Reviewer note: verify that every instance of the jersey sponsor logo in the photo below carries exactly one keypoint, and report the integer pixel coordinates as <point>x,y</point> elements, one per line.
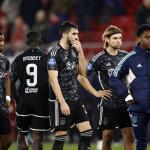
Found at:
<point>52,62</point>
<point>31,90</point>
<point>89,66</point>
<point>70,66</point>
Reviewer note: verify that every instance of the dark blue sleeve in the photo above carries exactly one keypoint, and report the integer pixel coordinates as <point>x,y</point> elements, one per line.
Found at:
<point>117,77</point>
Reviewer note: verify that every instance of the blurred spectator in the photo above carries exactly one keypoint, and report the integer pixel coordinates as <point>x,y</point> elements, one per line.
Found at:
<point>111,7</point>
<point>143,14</point>
<point>5,28</point>
<point>18,33</point>
<point>48,28</point>
<point>62,8</point>
<point>40,21</point>
<point>28,9</point>
<point>84,12</point>
<point>54,20</point>
<point>11,8</point>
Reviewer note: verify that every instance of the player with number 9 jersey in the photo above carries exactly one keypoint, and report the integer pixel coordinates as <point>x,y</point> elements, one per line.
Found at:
<point>30,69</point>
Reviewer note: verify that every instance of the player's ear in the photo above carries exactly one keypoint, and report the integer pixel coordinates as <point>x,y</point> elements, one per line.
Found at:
<point>107,39</point>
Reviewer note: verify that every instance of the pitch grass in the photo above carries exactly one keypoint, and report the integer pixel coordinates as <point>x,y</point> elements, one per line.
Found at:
<point>48,146</point>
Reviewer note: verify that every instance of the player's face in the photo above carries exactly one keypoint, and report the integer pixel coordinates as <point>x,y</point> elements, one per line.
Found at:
<point>115,41</point>
<point>1,42</point>
<point>72,35</point>
<point>145,39</point>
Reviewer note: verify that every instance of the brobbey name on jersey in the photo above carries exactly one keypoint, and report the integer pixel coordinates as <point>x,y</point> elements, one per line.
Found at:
<point>31,58</point>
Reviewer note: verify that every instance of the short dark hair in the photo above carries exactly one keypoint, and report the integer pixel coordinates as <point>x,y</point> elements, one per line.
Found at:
<point>142,28</point>
<point>1,33</point>
<point>33,38</point>
<point>66,26</point>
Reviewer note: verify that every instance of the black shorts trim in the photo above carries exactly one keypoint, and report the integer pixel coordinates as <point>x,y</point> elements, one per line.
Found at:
<point>22,130</point>
<point>26,115</point>
<point>32,122</point>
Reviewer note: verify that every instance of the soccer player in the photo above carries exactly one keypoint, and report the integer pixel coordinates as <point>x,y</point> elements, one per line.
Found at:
<point>5,129</point>
<point>65,63</point>
<point>113,112</point>
<point>136,67</point>
<point>32,111</point>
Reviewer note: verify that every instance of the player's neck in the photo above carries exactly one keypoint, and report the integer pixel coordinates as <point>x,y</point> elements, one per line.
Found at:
<point>112,51</point>
<point>64,44</point>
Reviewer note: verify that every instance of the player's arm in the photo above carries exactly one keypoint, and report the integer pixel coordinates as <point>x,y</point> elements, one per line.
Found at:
<point>52,65</point>
<point>82,78</point>
<point>13,79</point>
<point>8,99</point>
<point>116,80</point>
<point>53,80</point>
<point>105,94</point>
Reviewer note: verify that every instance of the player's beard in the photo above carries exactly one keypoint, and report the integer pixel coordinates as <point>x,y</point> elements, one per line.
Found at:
<point>69,42</point>
<point>115,47</point>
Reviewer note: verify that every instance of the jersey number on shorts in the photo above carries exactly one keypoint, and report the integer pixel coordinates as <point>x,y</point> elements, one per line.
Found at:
<point>31,70</point>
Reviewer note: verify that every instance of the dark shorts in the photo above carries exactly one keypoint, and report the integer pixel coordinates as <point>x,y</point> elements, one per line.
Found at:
<point>60,122</point>
<point>4,121</point>
<point>33,115</point>
<point>112,118</point>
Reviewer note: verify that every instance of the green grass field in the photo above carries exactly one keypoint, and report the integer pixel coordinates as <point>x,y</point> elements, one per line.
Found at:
<point>71,147</point>
<point>66,147</point>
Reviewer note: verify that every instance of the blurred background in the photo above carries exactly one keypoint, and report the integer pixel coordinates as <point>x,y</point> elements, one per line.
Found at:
<point>17,17</point>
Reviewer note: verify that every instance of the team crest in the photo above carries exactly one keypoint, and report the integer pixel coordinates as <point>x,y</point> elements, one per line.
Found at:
<point>62,121</point>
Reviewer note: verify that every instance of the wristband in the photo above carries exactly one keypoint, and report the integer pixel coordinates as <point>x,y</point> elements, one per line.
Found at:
<point>8,98</point>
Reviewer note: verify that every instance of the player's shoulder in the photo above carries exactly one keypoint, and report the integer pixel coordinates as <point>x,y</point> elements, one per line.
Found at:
<point>54,51</point>
<point>98,56</point>
<point>18,56</point>
<point>4,57</point>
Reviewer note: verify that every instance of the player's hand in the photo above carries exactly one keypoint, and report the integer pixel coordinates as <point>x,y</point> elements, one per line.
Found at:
<point>77,45</point>
<point>7,103</point>
<point>104,94</point>
<point>65,110</point>
<point>130,102</point>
